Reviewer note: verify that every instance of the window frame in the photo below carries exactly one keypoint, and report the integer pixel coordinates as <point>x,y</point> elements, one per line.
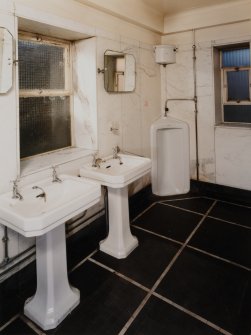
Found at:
<point>224,87</point>
<point>66,92</point>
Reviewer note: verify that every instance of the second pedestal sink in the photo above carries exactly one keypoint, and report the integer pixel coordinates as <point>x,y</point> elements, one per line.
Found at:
<point>42,212</point>
<point>117,174</point>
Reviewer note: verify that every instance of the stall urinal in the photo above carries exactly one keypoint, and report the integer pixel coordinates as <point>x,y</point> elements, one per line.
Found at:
<point>170,156</point>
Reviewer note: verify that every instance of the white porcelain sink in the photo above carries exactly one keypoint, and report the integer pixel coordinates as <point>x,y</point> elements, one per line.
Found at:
<point>44,217</point>
<point>117,173</point>
<point>34,216</point>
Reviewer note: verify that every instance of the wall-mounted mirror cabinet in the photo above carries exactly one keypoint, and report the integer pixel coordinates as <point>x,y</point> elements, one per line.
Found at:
<point>6,60</point>
<point>119,72</point>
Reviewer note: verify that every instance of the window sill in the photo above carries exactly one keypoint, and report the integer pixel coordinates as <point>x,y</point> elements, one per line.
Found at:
<point>233,125</point>
<point>43,162</point>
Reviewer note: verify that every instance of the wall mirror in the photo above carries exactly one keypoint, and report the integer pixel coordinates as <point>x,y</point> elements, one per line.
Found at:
<point>6,60</point>
<point>119,72</point>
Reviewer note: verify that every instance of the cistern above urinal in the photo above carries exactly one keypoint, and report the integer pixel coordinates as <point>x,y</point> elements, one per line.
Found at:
<point>170,156</point>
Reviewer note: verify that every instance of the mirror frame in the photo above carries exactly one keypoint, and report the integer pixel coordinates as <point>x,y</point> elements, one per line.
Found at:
<point>120,54</point>
<point>6,60</point>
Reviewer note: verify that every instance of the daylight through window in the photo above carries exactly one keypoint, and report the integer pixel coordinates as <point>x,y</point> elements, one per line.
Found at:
<point>45,95</point>
<point>236,79</point>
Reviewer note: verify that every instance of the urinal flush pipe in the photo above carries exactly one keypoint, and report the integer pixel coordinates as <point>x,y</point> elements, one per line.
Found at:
<point>195,100</point>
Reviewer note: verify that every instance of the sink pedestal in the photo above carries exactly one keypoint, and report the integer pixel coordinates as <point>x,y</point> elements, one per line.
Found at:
<point>54,298</point>
<point>119,242</point>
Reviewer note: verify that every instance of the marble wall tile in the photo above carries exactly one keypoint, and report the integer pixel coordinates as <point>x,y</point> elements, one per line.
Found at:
<point>95,110</point>
<point>223,152</point>
<point>149,73</point>
<point>233,157</point>
<point>204,71</point>
<point>85,95</point>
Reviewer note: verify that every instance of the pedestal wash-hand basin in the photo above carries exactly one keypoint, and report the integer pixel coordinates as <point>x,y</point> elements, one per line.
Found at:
<point>42,213</point>
<point>34,216</point>
<point>117,174</point>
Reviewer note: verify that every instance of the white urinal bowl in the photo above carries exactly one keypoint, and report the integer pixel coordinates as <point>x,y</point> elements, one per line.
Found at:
<point>170,157</point>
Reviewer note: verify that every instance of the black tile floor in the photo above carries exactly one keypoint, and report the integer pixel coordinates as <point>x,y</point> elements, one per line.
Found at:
<point>190,274</point>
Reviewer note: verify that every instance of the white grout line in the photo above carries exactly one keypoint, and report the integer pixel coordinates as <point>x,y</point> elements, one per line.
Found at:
<point>213,199</point>
<point>156,234</point>
<point>194,315</point>
<point>233,203</point>
<point>9,322</point>
<point>151,291</point>
<point>220,258</point>
<point>230,222</point>
<point>192,247</point>
<point>102,265</point>
<point>144,211</point>
<point>30,324</point>
<point>194,212</point>
<point>140,307</point>
<point>183,209</point>
<point>83,261</point>
<point>120,275</point>
<point>221,200</point>
<point>177,199</point>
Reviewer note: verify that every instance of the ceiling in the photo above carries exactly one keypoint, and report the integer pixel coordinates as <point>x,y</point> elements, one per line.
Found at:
<point>150,13</point>
<point>170,7</point>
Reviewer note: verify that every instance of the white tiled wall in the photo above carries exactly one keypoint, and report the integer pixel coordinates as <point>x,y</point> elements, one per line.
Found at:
<point>224,153</point>
<point>95,109</point>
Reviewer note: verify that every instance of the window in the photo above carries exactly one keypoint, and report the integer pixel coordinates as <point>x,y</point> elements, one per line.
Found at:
<point>44,94</point>
<point>235,78</point>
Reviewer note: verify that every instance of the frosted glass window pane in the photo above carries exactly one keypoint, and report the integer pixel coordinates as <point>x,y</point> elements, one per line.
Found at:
<point>236,58</point>
<point>45,124</point>
<point>41,66</point>
<point>238,85</point>
<point>237,113</point>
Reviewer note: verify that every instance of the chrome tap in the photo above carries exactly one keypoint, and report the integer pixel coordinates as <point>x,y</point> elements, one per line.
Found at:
<point>16,194</point>
<point>115,152</point>
<point>40,195</point>
<point>55,178</point>
<point>115,155</point>
<point>96,161</point>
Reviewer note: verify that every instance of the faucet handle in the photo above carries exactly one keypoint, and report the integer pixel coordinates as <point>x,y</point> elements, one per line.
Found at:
<point>116,149</point>
<point>55,177</point>
<point>15,181</point>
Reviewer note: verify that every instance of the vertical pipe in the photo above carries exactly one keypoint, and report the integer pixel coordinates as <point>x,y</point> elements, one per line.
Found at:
<point>196,107</point>
<point>5,240</point>
<point>106,208</point>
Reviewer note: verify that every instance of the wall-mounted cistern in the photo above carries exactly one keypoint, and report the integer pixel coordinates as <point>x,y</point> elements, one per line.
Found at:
<point>15,192</point>
<point>55,178</point>
<point>40,195</point>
